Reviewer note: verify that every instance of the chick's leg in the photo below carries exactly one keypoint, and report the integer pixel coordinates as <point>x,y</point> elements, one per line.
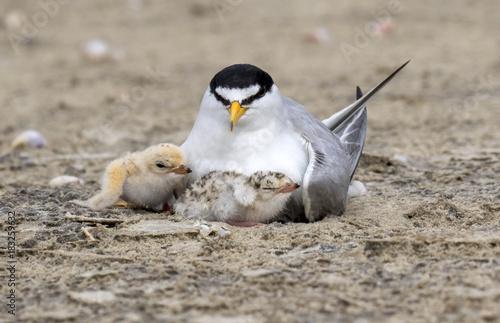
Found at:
<point>112,187</point>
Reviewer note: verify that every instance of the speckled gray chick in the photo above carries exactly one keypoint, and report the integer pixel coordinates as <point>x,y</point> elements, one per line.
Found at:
<point>235,198</point>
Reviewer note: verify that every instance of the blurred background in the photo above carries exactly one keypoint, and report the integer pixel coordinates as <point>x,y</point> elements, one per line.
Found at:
<point>100,76</point>
<point>91,80</point>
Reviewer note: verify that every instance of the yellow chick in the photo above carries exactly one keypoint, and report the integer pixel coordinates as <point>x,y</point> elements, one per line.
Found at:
<point>148,179</point>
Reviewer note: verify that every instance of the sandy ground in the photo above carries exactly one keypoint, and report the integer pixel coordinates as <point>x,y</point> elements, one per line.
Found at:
<point>422,247</point>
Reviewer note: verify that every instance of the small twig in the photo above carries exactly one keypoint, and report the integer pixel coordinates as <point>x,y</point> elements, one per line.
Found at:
<point>100,227</point>
<point>86,255</point>
<point>355,224</point>
<point>89,235</point>
<point>93,220</point>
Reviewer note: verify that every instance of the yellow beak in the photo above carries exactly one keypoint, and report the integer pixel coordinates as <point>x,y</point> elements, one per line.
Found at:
<point>236,111</point>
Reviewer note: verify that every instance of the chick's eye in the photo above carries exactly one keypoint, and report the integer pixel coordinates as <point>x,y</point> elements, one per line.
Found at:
<point>159,165</point>
<point>268,188</point>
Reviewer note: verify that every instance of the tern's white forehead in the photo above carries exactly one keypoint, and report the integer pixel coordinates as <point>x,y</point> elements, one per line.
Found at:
<point>236,94</point>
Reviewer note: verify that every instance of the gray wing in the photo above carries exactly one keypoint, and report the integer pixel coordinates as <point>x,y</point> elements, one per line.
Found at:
<point>352,134</point>
<point>326,181</point>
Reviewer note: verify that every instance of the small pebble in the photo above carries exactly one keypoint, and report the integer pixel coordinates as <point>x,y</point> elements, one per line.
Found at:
<point>401,158</point>
<point>98,51</point>
<point>212,229</point>
<point>93,297</point>
<point>223,232</point>
<point>356,188</point>
<point>65,179</point>
<point>14,20</point>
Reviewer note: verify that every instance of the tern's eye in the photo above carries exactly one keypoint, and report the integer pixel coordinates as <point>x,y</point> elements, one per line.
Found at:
<point>160,165</point>
<point>254,97</point>
<point>268,188</point>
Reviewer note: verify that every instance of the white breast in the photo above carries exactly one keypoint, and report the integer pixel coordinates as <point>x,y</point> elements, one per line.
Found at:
<point>247,152</point>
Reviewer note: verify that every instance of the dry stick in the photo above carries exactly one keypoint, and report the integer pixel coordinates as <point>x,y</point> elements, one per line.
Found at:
<point>355,224</point>
<point>93,220</point>
<point>89,235</point>
<point>87,255</point>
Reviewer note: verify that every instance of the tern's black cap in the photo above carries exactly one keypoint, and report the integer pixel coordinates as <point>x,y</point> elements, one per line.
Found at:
<point>241,76</point>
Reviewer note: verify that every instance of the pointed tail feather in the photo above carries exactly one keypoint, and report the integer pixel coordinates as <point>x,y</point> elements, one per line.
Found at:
<point>359,94</point>
<point>335,122</point>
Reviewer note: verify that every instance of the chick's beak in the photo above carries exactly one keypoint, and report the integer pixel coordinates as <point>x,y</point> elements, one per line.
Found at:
<point>181,170</point>
<point>236,111</point>
<point>289,187</point>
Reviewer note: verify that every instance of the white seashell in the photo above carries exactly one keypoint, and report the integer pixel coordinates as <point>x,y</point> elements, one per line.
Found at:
<point>223,232</point>
<point>93,297</point>
<point>207,229</point>
<point>356,189</point>
<point>14,20</point>
<point>318,35</point>
<point>65,179</point>
<point>97,50</point>
<point>401,158</point>
<point>29,138</point>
